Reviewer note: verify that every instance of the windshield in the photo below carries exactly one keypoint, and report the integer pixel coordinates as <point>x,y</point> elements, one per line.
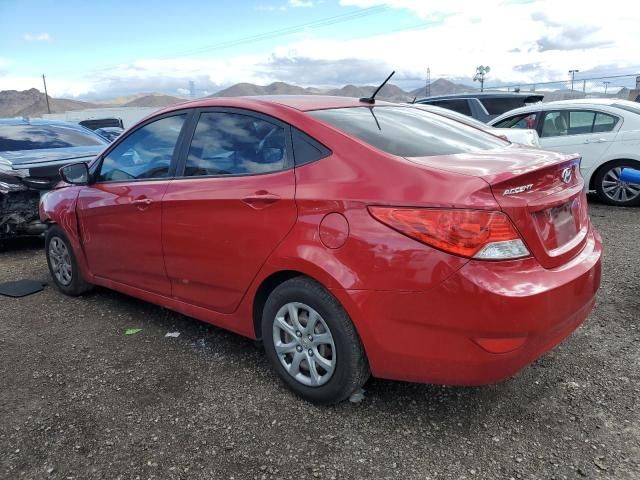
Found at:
<point>408,131</point>
<point>38,137</point>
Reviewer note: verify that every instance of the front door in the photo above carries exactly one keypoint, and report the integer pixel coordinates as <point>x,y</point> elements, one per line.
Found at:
<point>229,209</point>
<point>120,214</point>
<point>586,132</point>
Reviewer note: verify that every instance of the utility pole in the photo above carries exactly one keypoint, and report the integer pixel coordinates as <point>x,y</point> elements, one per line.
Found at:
<point>428,86</point>
<point>573,74</point>
<point>606,85</point>
<point>192,89</point>
<point>46,95</point>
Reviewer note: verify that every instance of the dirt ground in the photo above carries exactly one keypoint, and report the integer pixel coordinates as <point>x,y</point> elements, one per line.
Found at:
<point>80,400</point>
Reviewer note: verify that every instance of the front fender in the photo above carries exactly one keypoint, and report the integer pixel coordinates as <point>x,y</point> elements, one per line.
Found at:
<point>59,207</point>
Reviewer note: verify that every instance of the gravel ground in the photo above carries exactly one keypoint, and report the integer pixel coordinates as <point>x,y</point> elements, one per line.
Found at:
<point>80,400</point>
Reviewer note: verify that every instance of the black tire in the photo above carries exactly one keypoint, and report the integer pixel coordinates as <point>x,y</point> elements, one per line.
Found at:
<point>77,285</point>
<point>601,175</point>
<point>351,369</point>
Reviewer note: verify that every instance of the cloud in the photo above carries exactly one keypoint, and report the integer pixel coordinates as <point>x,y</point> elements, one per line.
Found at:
<point>37,37</point>
<point>324,72</point>
<point>529,42</point>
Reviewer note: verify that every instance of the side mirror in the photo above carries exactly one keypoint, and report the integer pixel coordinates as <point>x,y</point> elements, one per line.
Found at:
<point>75,173</point>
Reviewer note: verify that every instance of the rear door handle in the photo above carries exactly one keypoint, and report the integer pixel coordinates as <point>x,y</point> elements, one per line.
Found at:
<point>261,199</point>
<point>595,140</point>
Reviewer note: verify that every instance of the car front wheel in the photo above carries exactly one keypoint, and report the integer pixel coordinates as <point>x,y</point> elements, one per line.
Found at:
<point>612,190</point>
<point>312,343</point>
<point>62,263</point>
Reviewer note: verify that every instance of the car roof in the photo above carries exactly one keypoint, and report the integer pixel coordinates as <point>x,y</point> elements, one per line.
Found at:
<point>299,102</point>
<point>38,121</point>
<point>576,102</point>
<point>452,96</point>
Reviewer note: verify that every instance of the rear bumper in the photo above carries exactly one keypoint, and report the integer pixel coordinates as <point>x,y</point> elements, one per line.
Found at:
<point>518,309</point>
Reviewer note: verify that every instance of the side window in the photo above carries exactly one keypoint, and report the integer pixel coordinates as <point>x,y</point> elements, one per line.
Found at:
<point>235,144</point>
<point>604,123</point>
<point>525,120</point>
<point>555,124</point>
<point>460,106</point>
<point>306,149</point>
<point>581,122</point>
<point>145,153</point>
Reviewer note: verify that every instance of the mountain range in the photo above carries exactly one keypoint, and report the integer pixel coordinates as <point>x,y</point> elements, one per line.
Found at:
<point>33,103</point>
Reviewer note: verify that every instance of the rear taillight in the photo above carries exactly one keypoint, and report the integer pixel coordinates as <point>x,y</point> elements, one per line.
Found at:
<point>468,233</point>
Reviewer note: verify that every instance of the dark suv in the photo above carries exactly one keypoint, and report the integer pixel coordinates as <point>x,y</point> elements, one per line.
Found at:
<point>482,106</point>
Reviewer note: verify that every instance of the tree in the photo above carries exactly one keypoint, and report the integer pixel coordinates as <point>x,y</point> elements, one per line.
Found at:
<point>481,71</point>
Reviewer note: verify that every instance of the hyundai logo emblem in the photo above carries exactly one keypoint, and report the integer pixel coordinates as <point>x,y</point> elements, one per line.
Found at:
<point>566,175</point>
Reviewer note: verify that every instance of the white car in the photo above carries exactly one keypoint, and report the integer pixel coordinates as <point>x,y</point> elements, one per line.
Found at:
<point>605,132</point>
<point>527,137</point>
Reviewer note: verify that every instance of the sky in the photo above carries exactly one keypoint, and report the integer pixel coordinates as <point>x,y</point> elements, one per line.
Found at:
<point>99,50</point>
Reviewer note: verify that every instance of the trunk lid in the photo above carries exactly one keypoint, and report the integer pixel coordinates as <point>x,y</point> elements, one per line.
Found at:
<point>542,192</point>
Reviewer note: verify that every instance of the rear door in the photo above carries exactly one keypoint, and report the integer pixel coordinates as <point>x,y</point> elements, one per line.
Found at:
<point>586,132</point>
<point>120,214</point>
<point>231,204</point>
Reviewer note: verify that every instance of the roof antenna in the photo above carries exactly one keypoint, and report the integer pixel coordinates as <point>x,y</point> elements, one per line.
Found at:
<point>372,98</point>
<point>414,100</point>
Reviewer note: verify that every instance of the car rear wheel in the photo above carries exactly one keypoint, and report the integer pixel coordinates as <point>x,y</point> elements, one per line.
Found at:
<point>612,190</point>
<point>311,342</point>
<point>62,263</point>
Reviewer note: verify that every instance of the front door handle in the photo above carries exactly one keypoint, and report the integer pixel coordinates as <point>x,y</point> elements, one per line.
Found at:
<point>142,203</point>
<point>261,199</point>
<point>595,140</point>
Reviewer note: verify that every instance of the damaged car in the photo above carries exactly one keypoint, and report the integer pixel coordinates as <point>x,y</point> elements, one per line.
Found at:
<point>31,153</point>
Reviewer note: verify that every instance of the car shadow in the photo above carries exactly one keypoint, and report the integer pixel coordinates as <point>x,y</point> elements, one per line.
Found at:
<point>21,244</point>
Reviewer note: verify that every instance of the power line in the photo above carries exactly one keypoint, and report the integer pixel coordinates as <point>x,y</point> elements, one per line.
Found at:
<point>323,22</point>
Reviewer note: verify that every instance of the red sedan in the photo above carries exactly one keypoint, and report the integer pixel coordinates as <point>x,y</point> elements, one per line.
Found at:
<point>351,238</point>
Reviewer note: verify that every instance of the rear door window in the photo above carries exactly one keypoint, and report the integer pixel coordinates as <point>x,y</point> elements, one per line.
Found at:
<point>576,122</point>
<point>581,122</point>
<point>604,123</point>
<point>408,131</point>
<point>227,143</point>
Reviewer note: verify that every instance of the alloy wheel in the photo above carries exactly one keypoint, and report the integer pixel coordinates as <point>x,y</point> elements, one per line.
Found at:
<point>304,344</point>
<point>60,260</point>
<point>617,190</point>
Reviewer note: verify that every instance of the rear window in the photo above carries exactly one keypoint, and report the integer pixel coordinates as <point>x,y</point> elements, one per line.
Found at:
<point>408,131</point>
<point>628,108</point>
<point>498,106</point>
<point>460,106</point>
<point>37,137</point>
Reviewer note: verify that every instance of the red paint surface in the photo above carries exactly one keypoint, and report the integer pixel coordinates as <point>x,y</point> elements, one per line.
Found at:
<point>334,230</point>
<point>204,246</point>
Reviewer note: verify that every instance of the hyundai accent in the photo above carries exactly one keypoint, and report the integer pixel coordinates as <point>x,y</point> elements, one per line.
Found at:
<point>353,238</point>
